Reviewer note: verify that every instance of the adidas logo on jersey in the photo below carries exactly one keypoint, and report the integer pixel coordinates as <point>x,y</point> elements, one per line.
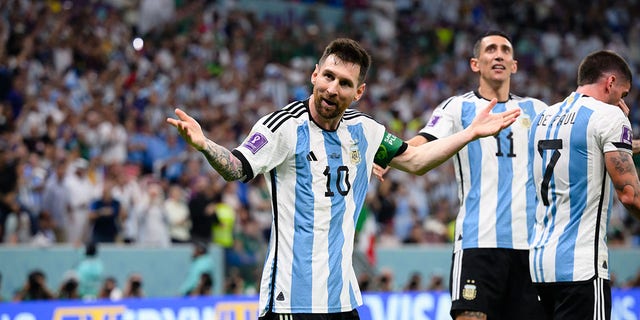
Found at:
<point>280,297</point>
<point>311,157</point>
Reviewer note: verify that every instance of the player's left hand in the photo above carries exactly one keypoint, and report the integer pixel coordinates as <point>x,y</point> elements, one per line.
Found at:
<point>488,124</point>
<point>379,172</point>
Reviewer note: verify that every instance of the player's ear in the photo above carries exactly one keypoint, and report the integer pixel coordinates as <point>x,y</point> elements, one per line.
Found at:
<point>514,68</point>
<point>473,64</point>
<point>359,92</point>
<point>314,75</point>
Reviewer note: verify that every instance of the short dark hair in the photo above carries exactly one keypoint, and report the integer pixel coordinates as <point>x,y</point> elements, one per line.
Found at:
<point>600,62</point>
<point>476,46</point>
<point>349,50</point>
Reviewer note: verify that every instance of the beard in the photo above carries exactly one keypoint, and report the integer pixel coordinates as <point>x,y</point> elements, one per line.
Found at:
<point>327,109</point>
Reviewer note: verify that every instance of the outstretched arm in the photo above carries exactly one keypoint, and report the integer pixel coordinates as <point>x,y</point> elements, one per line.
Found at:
<point>219,157</point>
<point>420,159</point>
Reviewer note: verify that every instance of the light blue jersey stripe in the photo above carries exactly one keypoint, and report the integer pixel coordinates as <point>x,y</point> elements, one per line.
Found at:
<point>528,109</point>
<point>361,179</point>
<point>332,146</point>
<point>577,196</point>
<point>302,275</point>
<point>472,202</point>
<point>505,182</point>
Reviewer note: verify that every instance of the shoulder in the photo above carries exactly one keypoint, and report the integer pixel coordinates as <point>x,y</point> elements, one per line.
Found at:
<point>525,99</point>
<point>292,112</point>
<point>355,115</point>
<point>458,100</point>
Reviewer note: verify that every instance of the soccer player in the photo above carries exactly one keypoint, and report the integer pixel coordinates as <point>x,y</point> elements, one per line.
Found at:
<point>581,151</point>
<point>490,271</point>
<point>317,156</point>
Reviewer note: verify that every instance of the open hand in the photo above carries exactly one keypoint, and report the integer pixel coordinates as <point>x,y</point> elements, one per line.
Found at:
<point>189,129</point>
<point>488,124</point>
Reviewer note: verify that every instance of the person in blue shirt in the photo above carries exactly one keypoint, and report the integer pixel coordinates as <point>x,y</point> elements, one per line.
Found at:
<point>201,263</point>
<point>90,272</point>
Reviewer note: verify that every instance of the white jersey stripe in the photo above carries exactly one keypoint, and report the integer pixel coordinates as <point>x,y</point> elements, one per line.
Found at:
<point>456,275</point>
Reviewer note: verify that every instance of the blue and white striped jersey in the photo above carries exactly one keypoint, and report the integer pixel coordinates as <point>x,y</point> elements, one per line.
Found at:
<point>573,189</point>
<point>493,186</point>
<point>318,181</point>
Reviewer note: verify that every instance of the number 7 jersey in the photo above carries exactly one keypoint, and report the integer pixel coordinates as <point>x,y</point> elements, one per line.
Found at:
<point>574,191</point>
<point>491,172</point>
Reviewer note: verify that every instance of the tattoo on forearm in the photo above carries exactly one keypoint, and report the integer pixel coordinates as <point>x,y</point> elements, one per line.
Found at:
<point>623,163</point>
<point>223,161</point>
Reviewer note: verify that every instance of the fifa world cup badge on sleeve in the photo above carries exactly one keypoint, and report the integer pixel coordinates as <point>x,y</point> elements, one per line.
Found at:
<point>255,142</point>
<point>433,121</point>
<point>627,136</point>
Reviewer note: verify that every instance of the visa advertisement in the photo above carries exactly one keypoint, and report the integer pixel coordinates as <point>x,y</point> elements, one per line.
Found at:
<point>377,306</point>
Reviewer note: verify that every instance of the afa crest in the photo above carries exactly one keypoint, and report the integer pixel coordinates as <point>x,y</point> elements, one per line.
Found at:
<point>355,153</point>
<point>469,291</point>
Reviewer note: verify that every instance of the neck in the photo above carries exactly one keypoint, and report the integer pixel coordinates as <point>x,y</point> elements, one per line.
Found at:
<point>498,90</point>
<point>591,90</point>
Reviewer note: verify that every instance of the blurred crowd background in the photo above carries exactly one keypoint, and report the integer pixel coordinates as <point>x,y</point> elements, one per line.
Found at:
<point>86,86</point>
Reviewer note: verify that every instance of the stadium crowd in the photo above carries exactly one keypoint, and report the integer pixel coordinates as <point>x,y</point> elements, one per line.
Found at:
<point>86,156</point>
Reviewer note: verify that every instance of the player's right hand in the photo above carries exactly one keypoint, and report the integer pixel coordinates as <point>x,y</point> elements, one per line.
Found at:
<point>189,129</point>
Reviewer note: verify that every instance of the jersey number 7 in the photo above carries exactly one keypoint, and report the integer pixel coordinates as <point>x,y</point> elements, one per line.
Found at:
<point>555,145</point>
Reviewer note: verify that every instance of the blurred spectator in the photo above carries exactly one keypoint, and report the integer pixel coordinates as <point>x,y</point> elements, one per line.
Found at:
<point>364,282</point>
<point>201,262</point>
<point>436,282</point>
<point>17,224</point>
<point>110,290</point>
<point>414,283</point>
<point>127,191</point>
<point>105,217</point>
<point>202,208</point>
<point>204,287</point>
<point>383,203</point>
<point>56,199</point>
<point>90,272</point>
<point>384,281</point>
<point>178,214</point>
<point>260,205</point>
<point>234,283</point>
<point>84,192</point>
<point>246,254</point>
<point>35,288</point>
<point>133,288</point>
<point>69,287</point>
<point>152,213</point>
<point>45,236</point>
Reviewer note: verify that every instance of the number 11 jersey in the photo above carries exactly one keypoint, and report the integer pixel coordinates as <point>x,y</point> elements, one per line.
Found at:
<point>493,185</point>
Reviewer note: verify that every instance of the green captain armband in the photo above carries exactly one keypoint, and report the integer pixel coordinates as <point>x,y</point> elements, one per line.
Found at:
<point>388,149</point>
